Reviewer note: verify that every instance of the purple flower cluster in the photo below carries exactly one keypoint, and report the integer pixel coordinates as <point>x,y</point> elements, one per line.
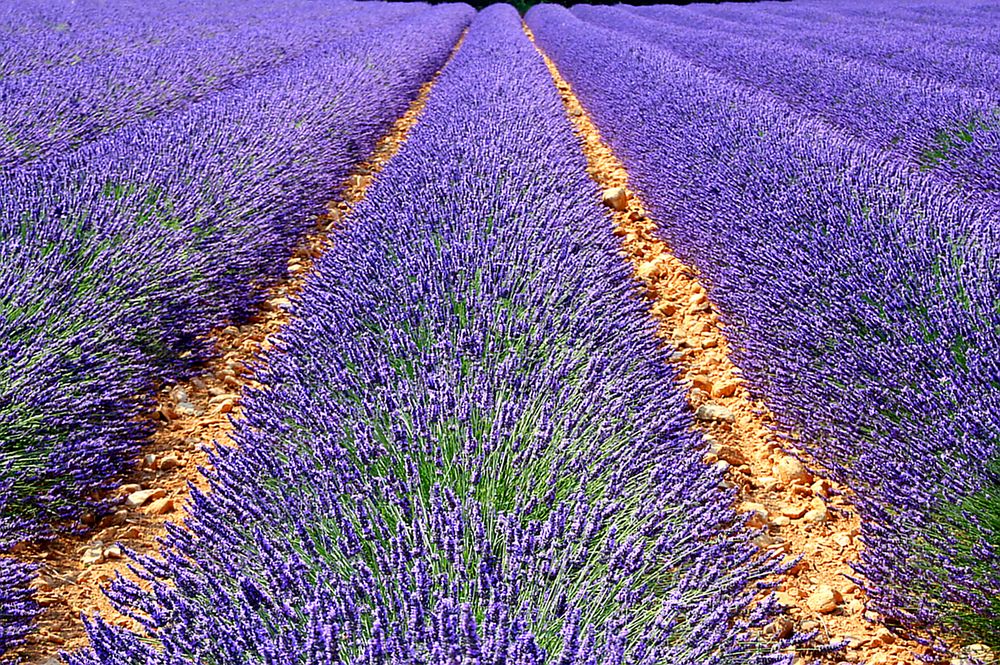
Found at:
<point>38,34</point>
<point>120,257</point>
<point>887,42</point>
<point>17,609</point>
<point>962,22</point>
<point>860,296</point>
<point>932,125</point>
<point>468,447</point>
<point>115,78</point>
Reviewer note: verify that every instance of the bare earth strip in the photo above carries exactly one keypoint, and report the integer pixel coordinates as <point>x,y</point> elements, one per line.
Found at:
<point>798,513</point>
<point>191,417</point>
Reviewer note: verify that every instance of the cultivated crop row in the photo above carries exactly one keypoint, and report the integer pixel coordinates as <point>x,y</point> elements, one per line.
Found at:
<point>469,448</point>
<point>120,257</point>
<point>38,34</point>
<point>974,19</point>
<point>949,130</point>
<point>932,26</point>
<point>911,48</point>
<point>859,294</point>
<point>51,110</point>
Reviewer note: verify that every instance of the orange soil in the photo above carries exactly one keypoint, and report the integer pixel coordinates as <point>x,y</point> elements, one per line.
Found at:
<point>798,514</point>
<point>67,586</point>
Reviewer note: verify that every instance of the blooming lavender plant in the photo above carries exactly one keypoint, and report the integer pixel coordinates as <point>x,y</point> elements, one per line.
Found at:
<point>17,609</point>
<point>50,110</point>
<point>40,34</point>
<point>120,258</point>
<point>951,131</point>
<point>468,447</point>
<point>859,297</point>
<point>976,19</point>
<point>884,42</point>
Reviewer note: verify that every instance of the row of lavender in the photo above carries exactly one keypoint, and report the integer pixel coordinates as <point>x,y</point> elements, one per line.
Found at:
<point>119,258</point>
<point>931,49</point>
<point>72,104</point>
<point>40,34</point>
<point>468,447</point>
<point>958,20</point>
<point>933,125</point>
<point>860,296</point>
<point>49,110</point>
<point>37,34</point>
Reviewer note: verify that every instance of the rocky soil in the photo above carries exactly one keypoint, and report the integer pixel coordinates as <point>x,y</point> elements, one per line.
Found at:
<point>798,512</point>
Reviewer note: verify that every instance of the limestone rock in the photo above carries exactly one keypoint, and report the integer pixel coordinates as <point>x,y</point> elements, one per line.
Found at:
<point>615,197</point>
<point>714,412</point>
<point>136,499</point>
<point>161,507</point>
<point>790,470</point>
<point>824,599</point>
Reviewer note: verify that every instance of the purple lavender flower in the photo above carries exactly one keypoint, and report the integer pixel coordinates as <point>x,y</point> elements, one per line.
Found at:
<point>76,76</point>
<point>933,125</point>
<point>121,256</point>
<point>859,296</point>
<point>468,447</point>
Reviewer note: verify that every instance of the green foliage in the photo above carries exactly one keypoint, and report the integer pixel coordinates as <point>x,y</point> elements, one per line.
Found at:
<point>524,5</point>
<point>982,626</point>
<point>952,138</point>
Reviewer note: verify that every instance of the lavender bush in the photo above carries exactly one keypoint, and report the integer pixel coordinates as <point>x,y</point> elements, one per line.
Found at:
<point>468,447</point>
<point>54,109</point>
<point>907,47</point>
<point>120,258</point>
<point>976,19</point>
<point>17,609</point>
<point>38,34</point>
<point>858,294</point>
<point>950,131</point>
<point>41,34</point>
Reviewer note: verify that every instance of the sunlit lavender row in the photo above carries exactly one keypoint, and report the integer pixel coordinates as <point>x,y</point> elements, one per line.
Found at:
<point>949,130</point>
<point>468,447</point>
<point>923,49</point>
<point>42,34</point>
<point>50,110</point>
<point>860,296</point>
<point>120,257</point>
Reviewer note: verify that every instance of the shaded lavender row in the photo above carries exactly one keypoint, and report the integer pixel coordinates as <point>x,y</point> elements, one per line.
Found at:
<point>952,131</point>
<point>119,259</point>
<point>53,110</point>
<point>469,448</point>
<point>859,296</point>
<point>907,49</point>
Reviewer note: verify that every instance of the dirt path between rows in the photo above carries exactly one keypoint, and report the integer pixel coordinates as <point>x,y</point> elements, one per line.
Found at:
<point>191,417</point>
<point>798,514</point>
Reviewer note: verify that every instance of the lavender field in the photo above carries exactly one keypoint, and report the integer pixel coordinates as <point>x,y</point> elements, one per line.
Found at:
<point>600,335</point>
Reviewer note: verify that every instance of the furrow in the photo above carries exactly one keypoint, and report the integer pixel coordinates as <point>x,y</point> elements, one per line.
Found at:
<point>806,517</point>
<point>192,417</point>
